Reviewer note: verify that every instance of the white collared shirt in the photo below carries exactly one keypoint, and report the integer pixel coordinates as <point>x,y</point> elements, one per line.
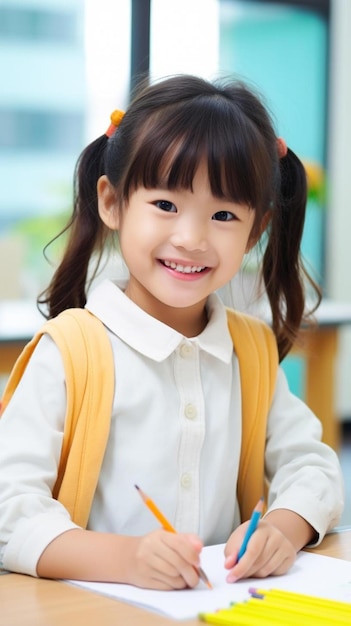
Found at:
<point>175,432</point>
<point>170,392</point>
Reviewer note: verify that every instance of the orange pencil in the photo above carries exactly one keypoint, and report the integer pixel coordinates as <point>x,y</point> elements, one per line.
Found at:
<point>167,526</point>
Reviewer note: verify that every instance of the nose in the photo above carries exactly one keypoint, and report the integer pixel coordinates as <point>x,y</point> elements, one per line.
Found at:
<point>190,234</point>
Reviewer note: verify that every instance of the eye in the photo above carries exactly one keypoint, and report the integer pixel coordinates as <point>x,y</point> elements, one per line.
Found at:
<point>224,216</point>
<point>165,205</point>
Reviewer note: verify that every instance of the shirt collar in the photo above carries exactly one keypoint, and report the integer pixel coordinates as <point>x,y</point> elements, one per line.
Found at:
<point>149,336</point>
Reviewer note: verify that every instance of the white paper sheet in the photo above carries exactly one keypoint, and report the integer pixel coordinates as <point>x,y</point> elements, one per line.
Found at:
<point>312,574</point>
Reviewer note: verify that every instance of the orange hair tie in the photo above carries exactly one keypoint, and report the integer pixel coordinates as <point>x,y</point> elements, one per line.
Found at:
<point>282,147</point>
<point>116,118</point>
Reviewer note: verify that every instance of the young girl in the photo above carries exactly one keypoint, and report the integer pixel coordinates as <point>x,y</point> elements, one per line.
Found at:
<point>190,178</point>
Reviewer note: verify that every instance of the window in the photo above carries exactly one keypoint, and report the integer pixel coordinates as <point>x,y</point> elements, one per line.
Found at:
<point>21,23</point>
<point>30,129</point>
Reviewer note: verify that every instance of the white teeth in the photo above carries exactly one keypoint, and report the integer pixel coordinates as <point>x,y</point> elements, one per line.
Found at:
<point>184,269</point>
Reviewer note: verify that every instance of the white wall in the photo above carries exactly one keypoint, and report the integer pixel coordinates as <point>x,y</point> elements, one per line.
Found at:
<point>339,215</point>
<point>184,37</point>
<point>107,48</point>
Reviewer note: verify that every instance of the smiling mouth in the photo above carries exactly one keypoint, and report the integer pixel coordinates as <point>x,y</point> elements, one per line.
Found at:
<point>184,269</point>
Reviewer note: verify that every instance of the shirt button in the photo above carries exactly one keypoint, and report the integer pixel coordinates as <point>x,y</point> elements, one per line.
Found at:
<point>186,350</point>
<point>190,411</point>
<point>186,480</point>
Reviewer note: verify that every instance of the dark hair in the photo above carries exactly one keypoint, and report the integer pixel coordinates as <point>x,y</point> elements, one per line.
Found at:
<point>169,128</point>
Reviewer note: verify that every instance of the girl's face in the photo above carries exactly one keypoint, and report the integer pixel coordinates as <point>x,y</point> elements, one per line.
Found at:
<point>179,247</point>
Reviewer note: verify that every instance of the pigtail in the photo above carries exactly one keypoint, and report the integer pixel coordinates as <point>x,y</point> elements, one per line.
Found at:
<point>86,234</point>
<point>283,271</point>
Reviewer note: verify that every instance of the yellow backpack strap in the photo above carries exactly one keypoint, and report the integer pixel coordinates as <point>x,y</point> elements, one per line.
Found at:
<point>89,371</point>
<point>256,348</point>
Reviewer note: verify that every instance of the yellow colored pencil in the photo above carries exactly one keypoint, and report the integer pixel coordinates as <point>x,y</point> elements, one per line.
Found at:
<point>302,598</point>
<point>244,612</point>
<point>304,613</point>
<point>284,609</point>
<point>240,620</point>
<point>277,615</point>
<point>305,608</point>
<point>245,615</point>
<point>168,526</point>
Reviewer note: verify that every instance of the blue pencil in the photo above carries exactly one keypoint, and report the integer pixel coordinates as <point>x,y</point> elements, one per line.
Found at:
<point>255,518</point>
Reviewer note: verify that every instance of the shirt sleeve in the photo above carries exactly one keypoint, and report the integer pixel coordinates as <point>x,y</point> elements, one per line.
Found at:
<point>31,434</point>
<point>304,473</point>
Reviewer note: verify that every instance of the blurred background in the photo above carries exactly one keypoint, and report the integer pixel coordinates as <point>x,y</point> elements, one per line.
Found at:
<point>66,64</point>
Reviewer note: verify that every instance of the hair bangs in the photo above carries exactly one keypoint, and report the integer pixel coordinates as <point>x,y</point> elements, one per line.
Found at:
<point>167,154</point>
<point>176,140</point>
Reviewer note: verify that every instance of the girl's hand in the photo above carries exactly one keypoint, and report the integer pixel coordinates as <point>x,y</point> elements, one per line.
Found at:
<point>165,560</point>
<point>268,553</point>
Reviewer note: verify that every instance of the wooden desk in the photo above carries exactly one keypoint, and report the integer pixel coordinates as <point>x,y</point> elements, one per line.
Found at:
<point>26,601</point>
<point>319,346</point>
<point>20,320</point>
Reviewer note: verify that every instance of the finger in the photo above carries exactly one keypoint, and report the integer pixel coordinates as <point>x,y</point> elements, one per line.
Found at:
<point>186,562</point>
<point>284,566</point>
<point>257,552</point>
<point>191,576</point>
<point>234,542</point>
<point>264,566</point>
<point>174,559</point>
<point>277,555</point>
<point>275,559</point>
<point>279,563</point>
<point>184,575</point>
<point>158,573</point>
<point>164,581</point>
<point>194,540</point>
<point>189,546</point>
<point>247,563</point>
<point>230,561</point>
